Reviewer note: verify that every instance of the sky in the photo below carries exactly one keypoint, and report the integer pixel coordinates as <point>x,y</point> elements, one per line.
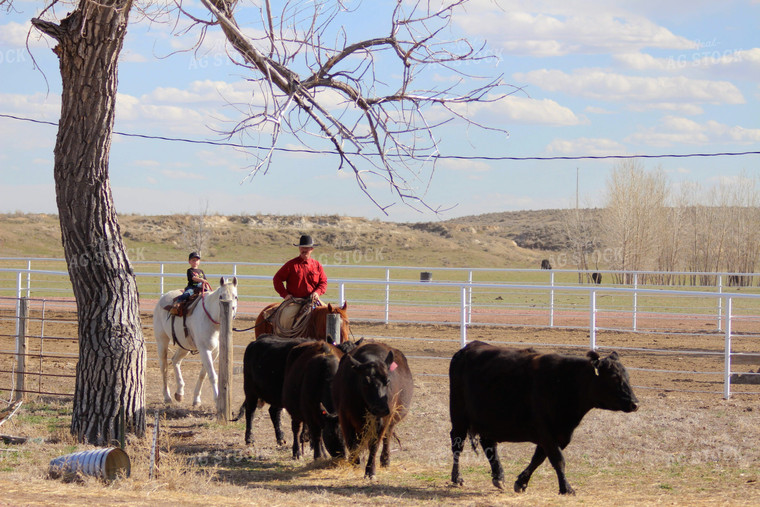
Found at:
<point>593,78</point>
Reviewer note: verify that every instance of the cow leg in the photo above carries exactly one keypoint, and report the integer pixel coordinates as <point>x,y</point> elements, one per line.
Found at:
<point>251,402</point>
<point>369,470</point>
<point>275,414</point>
<point>521,484</point>
<point>491,451</point>
<point>352,442</point>
<point>557,460</point>
<point>385,455</point>
<point>457,445</point>
<point>296,427</point>
<point>315,437</point>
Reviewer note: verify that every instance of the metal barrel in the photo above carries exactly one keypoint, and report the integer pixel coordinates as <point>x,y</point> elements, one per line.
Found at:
<point>107,464</point>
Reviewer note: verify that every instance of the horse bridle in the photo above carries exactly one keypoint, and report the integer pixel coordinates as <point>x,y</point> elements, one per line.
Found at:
<point>203,304</point>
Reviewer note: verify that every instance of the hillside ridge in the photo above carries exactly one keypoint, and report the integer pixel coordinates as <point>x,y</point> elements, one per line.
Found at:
<point>510,238</point>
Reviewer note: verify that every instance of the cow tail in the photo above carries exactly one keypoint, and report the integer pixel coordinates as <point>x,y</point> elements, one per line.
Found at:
<point>473,441</point>
<point>240,413</point>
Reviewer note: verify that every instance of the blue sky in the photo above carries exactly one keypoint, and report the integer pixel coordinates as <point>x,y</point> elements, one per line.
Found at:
<point>597,78</point>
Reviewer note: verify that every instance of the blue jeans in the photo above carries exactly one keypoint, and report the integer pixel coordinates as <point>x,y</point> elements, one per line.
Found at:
<point>189,291</point>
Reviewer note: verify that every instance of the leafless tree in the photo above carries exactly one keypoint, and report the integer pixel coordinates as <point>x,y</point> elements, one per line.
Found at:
<point>583,240</point>
<point>365,100</point>
<point>318,92</point>
<point>197,232</point>
<point>635,203</point>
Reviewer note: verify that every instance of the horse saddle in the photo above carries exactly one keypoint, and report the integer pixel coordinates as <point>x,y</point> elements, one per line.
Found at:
<point>182,308</point>
<point>289,315</point>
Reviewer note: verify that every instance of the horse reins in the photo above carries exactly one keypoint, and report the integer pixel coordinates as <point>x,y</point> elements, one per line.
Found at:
<point>203,304</point>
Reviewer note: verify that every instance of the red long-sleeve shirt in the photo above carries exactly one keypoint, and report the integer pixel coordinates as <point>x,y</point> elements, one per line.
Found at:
<point>300,278</point>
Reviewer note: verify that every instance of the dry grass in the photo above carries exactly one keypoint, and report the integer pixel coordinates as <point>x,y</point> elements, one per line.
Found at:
<point>680,448</point>
<point>674,450</point>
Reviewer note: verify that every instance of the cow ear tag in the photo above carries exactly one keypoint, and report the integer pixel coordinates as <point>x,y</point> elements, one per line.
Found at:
<point>394,366</point>
<point>596,371</point>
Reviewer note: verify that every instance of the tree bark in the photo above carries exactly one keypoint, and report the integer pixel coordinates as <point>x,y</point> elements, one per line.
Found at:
<point>111,368</point>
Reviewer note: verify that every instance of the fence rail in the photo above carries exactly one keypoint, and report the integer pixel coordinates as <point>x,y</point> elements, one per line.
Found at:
<point>457,298</point>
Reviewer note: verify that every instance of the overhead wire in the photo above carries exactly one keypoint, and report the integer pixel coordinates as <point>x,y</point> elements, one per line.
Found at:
<point>435,156</point>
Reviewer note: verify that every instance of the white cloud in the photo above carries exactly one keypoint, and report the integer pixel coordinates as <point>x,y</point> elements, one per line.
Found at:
<point>522,110</point>
<point>736,63</point>
<point>39,106</point>
<point>674,130</point>
<point>206,91</point>
<point>471,168</point>
<point>14,35</point>
<point>651,91</point>
<point>585,146</point>
<point>176,174</point>
<point>557,28</point>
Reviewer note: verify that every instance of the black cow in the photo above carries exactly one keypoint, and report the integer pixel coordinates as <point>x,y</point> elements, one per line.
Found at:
<point>307,396</point>
<point>263,377</point>
<point>596,278</point>
<point>545,264</point>
<point>372,392</point>
<point>508,395</point>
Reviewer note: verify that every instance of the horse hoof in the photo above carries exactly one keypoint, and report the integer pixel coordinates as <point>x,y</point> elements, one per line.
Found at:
<point>177,396</point>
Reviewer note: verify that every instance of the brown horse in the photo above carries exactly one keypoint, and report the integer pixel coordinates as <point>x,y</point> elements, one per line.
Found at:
<point>317,326</point>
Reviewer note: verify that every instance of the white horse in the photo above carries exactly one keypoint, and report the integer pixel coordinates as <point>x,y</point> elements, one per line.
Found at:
<point>202,336</point>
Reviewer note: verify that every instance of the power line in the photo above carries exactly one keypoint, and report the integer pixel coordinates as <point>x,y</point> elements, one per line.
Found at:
<point>439,157</point>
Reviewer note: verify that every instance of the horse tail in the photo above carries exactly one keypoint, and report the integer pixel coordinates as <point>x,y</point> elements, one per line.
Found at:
<point>240,413</point>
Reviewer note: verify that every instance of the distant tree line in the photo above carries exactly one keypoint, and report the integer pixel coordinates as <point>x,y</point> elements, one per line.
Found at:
<point>648,224</point>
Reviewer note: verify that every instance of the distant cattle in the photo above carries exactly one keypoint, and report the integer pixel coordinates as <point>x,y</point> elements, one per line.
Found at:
<point>545,264</point>
<point>508,395</point>
<point>596,278</point>
<point>372,391</point>
<point>307,396</point>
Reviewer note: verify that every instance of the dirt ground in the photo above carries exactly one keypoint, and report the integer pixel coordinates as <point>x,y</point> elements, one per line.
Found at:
<point>686,445</point>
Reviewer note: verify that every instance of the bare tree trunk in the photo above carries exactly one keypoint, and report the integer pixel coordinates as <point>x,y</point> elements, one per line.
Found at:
<point>111,367</point>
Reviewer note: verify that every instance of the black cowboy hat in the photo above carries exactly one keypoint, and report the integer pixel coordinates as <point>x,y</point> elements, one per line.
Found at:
<point>193,255</point>
<point>305,241</point>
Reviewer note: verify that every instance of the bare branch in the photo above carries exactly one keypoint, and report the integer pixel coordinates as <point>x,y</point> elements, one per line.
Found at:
<point>349,101</point>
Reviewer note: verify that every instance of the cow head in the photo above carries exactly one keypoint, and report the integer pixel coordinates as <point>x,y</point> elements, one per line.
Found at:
<point>332,436</point>
<point>374,381</point>
<point>612,387</point>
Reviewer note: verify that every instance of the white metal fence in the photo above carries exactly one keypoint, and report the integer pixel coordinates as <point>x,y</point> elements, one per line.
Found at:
<point>459,297</point>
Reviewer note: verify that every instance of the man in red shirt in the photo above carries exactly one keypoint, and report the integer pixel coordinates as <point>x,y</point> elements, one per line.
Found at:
<point>303,276</point>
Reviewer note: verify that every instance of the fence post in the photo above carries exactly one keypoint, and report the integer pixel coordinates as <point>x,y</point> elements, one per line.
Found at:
<point>720,302</point>
<point>469,298</point>
<point>727,353</point>
<point>635,299</point>
<point>29,278</point>
<point>551,299</point>
<point>162,279</point>
<point>463,317</point>
<point>22,325</point>
<point>342,294</point>
<point>387,294</point>
<point>224,401</point>
<point>592,320</point>
<point>332,328</point>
